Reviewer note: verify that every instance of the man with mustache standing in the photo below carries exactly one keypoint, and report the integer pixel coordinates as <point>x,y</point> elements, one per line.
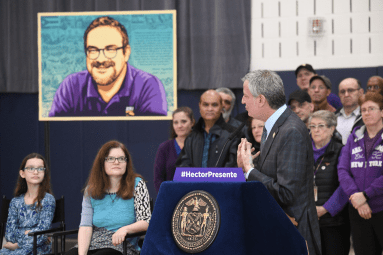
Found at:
<point>110,86</point>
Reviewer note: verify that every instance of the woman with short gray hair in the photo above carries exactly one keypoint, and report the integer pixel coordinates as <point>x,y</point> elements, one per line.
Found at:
<point>330,199</point>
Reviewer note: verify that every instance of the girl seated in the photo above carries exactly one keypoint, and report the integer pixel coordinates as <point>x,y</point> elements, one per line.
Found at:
<point>115,203</point>
<point>31,209</point>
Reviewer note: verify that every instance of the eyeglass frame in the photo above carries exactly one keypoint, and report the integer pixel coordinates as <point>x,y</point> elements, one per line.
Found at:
<point>124,159</point>
<point>319,127</point>
<point>349,91</point>
<point>369,109</point>
<point>103,51</point>
<point>33,169</point>
<point>372,87</point>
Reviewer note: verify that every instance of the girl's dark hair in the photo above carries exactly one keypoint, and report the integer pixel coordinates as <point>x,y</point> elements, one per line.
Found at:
<point>45,185</point>
<point>98,181</point>
<point>188,113</point>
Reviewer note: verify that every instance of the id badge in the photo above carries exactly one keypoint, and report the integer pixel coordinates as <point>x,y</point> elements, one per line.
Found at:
<point>316,193</point>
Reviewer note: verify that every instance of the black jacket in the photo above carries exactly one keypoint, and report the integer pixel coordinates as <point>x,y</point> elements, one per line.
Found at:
<point>191,154</point>
<point>326,179</point>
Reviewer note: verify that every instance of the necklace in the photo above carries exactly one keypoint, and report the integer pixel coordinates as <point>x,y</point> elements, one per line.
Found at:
<point>110,195</point>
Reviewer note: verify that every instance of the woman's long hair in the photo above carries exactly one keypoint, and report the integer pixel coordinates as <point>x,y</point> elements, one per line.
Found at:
<point>98,181</point>
<point>45,185</point>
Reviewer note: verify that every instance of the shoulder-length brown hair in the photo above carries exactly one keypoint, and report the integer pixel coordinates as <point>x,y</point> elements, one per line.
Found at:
<point>98,181</point>
<point>188,112</point>
<point>45,185</point>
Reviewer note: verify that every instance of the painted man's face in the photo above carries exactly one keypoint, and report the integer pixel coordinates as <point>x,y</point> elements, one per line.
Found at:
<point>107,67</point>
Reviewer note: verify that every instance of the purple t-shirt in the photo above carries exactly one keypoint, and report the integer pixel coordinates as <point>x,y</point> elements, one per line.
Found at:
<point>140,92</point>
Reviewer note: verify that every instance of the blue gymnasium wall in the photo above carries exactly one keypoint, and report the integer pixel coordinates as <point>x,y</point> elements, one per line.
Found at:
<point>73,145</point>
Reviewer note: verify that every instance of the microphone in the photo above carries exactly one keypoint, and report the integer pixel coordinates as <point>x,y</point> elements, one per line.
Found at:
<point>236,132</point>
<point>231,137</point>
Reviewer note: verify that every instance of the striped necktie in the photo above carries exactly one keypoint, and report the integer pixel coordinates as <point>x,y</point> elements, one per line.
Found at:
<point>263,139</point>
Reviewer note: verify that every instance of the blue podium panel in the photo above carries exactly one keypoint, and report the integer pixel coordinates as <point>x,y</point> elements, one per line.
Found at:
<point>251,221</point>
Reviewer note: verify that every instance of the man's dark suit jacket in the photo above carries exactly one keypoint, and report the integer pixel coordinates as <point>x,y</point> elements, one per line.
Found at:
<point>286,169</point>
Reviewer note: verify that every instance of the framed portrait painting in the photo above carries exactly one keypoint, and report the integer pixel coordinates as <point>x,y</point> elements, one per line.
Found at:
<point>107,65</point>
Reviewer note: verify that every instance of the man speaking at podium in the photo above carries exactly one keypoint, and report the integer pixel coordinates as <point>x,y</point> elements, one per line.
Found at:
<point>285,164</point>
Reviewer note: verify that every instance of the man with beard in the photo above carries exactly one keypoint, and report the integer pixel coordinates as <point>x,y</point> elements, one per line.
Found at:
<point>228,101</point>
<point>110,86</point>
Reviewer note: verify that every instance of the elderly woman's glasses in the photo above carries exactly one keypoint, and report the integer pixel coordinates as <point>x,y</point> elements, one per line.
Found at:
<point>109,52</point>
<point>32,169</point>
<point>113,159</point>
<point>320,127</point>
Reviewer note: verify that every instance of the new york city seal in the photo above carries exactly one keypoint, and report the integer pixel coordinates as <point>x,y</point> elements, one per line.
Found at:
<point>196,221</point>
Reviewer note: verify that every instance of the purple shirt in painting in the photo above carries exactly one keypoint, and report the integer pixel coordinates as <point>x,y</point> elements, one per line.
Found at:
<point>141,92</point>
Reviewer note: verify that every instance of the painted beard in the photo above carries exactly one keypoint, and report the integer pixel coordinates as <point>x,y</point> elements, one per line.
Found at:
<point>103,79</point>
<point>225,114</point>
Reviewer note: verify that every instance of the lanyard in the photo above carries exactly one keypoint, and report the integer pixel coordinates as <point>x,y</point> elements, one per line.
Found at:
<point>316,170</point>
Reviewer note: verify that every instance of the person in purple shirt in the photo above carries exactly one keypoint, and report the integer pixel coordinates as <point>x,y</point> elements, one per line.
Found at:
<point>168,151</point>
<point>110,86</point>
<point>360,174</point>
<point>330,199</point>
<point>304,73</point>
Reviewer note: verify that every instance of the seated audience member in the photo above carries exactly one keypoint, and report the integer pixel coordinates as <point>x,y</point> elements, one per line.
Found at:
<point>300,103</point>
<point>228,101</point>
<point>115,203</point>
<point>360,174</point>
<point>330,199</point>
<point>31,209</point>
<point>304,73</point>
<point>168,151</point>
<point>205,143</point>
<point>349,117</point>
<point>319,89</point>
<point>375,84</point>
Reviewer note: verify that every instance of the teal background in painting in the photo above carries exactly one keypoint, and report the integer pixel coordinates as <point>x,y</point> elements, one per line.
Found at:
<point>62,49</point>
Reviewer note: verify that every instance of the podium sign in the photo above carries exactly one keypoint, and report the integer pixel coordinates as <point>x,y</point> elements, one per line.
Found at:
<point>251,221</point>
<point>217,174</point>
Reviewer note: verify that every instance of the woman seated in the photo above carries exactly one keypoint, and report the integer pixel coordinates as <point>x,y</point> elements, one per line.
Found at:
<point>330,199</point>
<point>168,151</point>
<point>31,210</point>
<point>361,176</point>
<point>115,203</point>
